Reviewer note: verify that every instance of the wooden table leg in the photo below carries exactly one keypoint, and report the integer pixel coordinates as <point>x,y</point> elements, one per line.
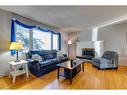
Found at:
<point>58,69</point>
<point>10,71</point>
<point>83,66</point>
<point>27,72</point>
<point>14,79</point>
<point>70,76</point>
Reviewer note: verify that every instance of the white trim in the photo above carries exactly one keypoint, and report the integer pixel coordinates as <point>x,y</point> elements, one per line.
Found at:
<point>113,21</point>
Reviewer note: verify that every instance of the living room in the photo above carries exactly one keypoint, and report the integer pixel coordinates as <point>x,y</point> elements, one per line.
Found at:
<point>70,32</point>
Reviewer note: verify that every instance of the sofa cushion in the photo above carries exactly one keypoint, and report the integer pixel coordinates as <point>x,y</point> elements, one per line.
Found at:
<point>59,54</point>
<point>46,63</point>
<point>35,52</point>
<point>96,60</point>
<point>48,56</point>
<point>62,59</point>
<point>37,57</point>
<point>109,55</point>
<point>106,61</point>
<point>43,52</point>
<point>56,60</point>
<point>40,52</point>
<point>54,55</point>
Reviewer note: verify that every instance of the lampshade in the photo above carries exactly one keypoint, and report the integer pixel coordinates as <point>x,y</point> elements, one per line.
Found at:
<point>16,46</point>
<point>69,42</point>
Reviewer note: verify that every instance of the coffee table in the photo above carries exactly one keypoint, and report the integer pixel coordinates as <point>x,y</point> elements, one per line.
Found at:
<point>70,69</point>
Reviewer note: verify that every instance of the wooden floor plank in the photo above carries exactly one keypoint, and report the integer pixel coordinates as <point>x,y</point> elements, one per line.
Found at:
<point>91,78</point>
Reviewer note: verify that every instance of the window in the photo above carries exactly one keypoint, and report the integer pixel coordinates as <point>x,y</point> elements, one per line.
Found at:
<point>41,40</point>
<point>22,35</point>
<point>55,41</point>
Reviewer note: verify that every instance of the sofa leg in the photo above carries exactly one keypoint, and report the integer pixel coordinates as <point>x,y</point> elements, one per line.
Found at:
<point>98,68</point>
<point>116,68</point>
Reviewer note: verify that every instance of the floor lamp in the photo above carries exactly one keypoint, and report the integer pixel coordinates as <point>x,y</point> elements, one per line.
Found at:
<point>69,43</point>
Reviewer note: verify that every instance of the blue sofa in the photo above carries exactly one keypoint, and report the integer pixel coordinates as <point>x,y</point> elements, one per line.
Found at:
<point>48,64</point>
<point>109,60</point>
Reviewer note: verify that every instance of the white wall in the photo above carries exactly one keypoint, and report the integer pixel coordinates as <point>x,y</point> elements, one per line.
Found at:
<point>64,47</point>
<point>114,38</point>
<point>5,31</point>
<point>5,20</point>
<point>84,36</point>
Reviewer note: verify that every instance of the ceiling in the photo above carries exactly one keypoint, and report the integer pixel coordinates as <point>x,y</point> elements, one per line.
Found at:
<point>70,17</point>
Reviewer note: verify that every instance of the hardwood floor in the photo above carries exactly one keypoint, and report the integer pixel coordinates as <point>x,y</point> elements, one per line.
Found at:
<point>91,78</point>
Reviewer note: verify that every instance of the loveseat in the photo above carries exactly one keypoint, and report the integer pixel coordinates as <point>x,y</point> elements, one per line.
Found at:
<point>50,59</point>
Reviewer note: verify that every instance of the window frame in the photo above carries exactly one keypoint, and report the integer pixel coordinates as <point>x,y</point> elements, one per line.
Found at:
<point>31,34</point>
<point>40,32</point>
<point>25,49</point>
<point>57,40</point>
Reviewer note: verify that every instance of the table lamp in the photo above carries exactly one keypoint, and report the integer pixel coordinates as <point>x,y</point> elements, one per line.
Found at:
<point>16,46</point>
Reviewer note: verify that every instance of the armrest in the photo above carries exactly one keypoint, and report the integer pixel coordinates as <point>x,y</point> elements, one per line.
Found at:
<point>30,60</point>
<point>65,55</point>
<point>34,64</point>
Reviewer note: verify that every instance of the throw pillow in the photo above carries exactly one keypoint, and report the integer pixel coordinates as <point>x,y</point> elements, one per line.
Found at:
<point>37,57</point>
<point>60,54</point>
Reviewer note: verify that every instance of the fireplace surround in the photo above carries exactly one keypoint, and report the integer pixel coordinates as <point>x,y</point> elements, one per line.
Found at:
<point>87,53</point>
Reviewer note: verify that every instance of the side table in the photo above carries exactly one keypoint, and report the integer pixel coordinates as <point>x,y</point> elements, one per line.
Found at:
<point>18,68</point>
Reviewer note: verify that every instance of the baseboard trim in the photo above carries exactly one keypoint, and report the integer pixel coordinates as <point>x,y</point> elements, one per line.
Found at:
<point>1,76</point>
<point>122,65</point>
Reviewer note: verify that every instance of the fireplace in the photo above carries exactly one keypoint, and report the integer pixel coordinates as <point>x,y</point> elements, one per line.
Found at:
<point>87,53</point>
